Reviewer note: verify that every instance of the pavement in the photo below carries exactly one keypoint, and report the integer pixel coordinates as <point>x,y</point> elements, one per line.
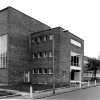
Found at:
<point>48,93</point>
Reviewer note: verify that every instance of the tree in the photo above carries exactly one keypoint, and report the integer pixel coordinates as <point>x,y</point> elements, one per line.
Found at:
<point>93,65</point>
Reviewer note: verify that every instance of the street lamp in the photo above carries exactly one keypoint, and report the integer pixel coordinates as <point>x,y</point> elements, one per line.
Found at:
<point>53,68</point>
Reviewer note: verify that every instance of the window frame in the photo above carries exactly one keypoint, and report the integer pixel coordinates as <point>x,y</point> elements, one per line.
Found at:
<point>50,71</point>
<point>39,54</point>
<point>45,69</point>
<point>50,54</point>
<point>33,71</point>
<point>39,69</point>
<point>45,38</point>
<point>51,36</point>
<point>34,55</point>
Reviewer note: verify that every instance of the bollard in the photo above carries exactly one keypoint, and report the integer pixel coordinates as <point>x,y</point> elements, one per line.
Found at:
<point>95,82</point>
<point>80,85</point>
<point>31,92</point>
<point>88,83</point>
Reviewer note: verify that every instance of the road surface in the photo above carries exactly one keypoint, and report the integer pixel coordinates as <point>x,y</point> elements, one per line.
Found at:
<point>92,93</point>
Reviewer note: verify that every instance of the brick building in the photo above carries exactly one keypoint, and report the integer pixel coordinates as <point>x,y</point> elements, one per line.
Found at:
<point>68,51</point>
<point>15,29</point>
<point>29,50</point>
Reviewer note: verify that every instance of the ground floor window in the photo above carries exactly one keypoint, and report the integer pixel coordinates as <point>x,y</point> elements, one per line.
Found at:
<point>42,71</point>
<point>64,73</point>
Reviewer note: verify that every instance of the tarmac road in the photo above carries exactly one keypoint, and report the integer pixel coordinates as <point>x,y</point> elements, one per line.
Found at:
<point>92,93</point>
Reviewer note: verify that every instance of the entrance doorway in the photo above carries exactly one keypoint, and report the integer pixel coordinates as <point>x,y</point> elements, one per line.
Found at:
<point>75,75</point>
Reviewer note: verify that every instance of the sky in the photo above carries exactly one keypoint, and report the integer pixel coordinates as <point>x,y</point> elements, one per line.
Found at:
<point>80,17</point>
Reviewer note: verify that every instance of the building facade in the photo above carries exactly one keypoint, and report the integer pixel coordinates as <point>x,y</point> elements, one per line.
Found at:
<point>15,29</point>
<point>59,51</point>
<point>31,51</point>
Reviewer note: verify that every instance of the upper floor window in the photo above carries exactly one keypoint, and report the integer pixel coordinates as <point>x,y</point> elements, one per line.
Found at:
<point>34,40</point>
<point>50,54</point>
<point>34,55</point>
<point>76,43</point>
<point>45,38</point>
<point>51,37</point>
<point>74,61</point>
<point>34,71</point>
<point>39,38</point>
<point>45,54</point>
<point>50,71</point>
<point>45,71</point>
<point>39,55</point>
<point>39,71</point>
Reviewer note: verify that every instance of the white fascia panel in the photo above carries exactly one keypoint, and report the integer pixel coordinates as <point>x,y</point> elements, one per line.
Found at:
<point>75,68</point>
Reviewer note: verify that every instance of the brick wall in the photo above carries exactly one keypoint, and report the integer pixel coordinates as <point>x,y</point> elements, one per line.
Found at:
<point>45,62</point>
<point>20,27</point>
<point>3,30</point>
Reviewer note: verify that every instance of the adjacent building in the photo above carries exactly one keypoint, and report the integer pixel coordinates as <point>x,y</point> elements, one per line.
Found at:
<point>31,51</point>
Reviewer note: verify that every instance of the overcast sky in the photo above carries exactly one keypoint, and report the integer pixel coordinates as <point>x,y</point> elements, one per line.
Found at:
<point>80,17</point>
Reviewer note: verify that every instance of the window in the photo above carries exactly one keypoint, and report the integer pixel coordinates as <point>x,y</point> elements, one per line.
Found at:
<point>45,71</point>
<point>64,73</point>
<point>34,71</point>
<point>76,43</point>
<point>34,55</point>
<point>45,38</point>
<point>39,71</point>
<point>39,38</point>
<point>34,40</point>
<point>50,54</point>
<point>50,71</point>
<point>3,51</point>
<point>51,37</point>
<point>45,54</point>
<point>39,55</point>
<point>74,61</point>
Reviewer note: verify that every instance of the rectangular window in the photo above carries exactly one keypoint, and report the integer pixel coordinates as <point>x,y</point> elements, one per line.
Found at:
<point>39,71</point>
<point>74,61</point>
<point>50,54</point>
<point>45,54</point>
<point>34,40</point>
<point>34,55</point>
<point>39,38</point>
<point>3,51</point>
<point>34,71</point>
<point>76,43</point>
<point>45,38</point>
<point>45,71</point>
<point>51,37</point>
<point>39,55</point>
<point>50,71</point>
<point>64,73</point>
